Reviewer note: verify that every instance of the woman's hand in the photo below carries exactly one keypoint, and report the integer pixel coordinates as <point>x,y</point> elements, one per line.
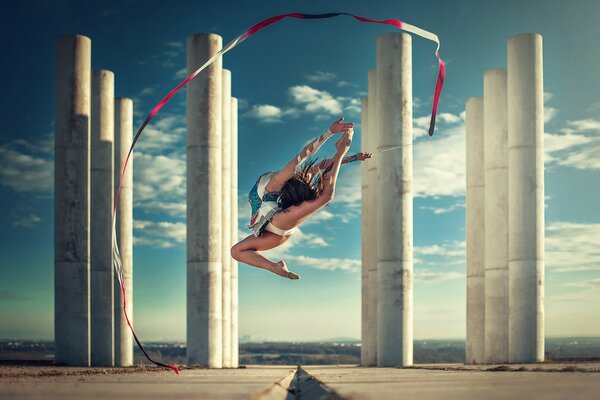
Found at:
<point>363,156</point>
<point>343,143</point>
<point>340,126</point>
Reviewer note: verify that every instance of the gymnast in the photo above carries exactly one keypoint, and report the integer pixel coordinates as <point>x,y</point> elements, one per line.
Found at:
<point>283,200</point>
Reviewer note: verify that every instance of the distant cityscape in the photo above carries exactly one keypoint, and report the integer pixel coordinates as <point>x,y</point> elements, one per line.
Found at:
<point>331,351</point>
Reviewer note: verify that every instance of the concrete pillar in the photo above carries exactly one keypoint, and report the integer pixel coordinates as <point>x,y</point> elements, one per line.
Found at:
<point>234,233</point>
<point>365,230</point>
<point>526,198</point>
<point>372,290</point>
<point>394,201</point>
<point>496,215</point>
<point>475,225</point>
<point>124,227</point>
<point>102,187</point>
<point>204,187</point>
<point>72,200</point>
<point>226,216</point>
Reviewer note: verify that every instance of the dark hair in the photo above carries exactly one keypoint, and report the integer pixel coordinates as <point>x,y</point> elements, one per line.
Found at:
<point>302,187</point>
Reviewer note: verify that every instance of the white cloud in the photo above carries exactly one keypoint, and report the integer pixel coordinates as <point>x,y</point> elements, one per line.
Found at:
<point>27,166</point>
<point>320,76</point>
<point>305,100</point>
<point>323,263</point>
<point>270,114</point>
<point>320,216</point>
<point>173,209</point>
<point>352,105</point>
<point>161,234</point>
<point>343,84</point>
<point>242,103</point>
<point>421,124</point>
<point>424,275</point>
<point>578,145</point>
<point>314,100</point>
<point>449,118</point>
<point>594,107</point>
<point>148,90</point>
<point>176,45</point>
<point>266,111</point>
<point>173,51</point>
<point>549,113</point>
<point>156,175</point>
<point>159,169</point>
<point>28,221</point>
<point>557,142</point>
<point>593,283</point>
<point>314,240</point>
<point>582,125</point>
<point>180,74</point>
<point>439,162</point>
<point>572,247</point>
<point>444,210</point>
<point>417,102</point>
<point>447,249</point>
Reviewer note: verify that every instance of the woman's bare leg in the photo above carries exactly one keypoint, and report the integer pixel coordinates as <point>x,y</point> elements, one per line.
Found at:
<point>247,251</point>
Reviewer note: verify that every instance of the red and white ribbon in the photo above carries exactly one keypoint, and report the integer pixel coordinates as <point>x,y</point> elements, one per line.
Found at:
<point>239,39</point>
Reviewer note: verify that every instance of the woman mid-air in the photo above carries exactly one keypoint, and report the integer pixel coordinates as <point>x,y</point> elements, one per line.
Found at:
<point>282,200</point>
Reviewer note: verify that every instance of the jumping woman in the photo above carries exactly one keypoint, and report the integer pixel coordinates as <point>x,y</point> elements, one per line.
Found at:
<point>282,200</point>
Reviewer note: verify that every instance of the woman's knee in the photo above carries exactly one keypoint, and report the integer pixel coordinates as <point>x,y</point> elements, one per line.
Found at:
<point>236,251</point>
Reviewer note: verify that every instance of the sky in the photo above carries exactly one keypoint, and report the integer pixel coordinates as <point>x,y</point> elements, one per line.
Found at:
<point>292,80</point>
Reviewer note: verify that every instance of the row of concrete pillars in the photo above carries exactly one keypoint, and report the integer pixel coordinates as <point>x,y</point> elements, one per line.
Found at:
<point>387,207</point>
<point>212,204</point>
<point>504,227</point>
<point>93,132</point>
<point>505,210</point>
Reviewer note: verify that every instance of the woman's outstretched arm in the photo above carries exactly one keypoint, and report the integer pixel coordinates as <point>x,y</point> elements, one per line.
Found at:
<point>280,177</point>
<point>299,214</point>
<point>323,165</point>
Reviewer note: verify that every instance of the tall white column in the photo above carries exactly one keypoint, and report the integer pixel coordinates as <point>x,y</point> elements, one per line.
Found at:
<point>102,187</point>
<point>496,215</point>
<point>394,201</point>
<point>234,233</point>
<point>373,290</point>
<point>72,200</point>
<point>366,245</point>
<point>124,227</point>
<point>204,215</point>
<point>526,197</point>
<point>475,224</point>
<point>226,216</point>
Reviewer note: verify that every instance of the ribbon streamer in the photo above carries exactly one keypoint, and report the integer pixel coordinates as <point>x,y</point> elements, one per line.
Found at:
<point>239,39</point>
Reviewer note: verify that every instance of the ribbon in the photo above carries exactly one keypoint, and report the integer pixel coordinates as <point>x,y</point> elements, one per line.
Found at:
<point>239,39</point>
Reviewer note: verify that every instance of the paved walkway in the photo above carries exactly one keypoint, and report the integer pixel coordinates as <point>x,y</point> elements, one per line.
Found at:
<point>551,381</point>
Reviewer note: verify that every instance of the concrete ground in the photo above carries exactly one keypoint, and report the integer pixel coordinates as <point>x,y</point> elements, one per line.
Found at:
<point>539,381</point>
<point>452,383</point>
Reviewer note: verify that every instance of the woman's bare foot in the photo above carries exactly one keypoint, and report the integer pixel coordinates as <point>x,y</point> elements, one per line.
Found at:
<point>282,270</point>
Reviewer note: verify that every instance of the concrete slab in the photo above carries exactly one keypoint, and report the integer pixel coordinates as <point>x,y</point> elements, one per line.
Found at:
<point>286,382</point>
<point>419,383</point>
<point>88,383</point>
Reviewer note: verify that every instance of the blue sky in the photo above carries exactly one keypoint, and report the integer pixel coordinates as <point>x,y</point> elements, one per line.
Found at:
<point>276,74</point>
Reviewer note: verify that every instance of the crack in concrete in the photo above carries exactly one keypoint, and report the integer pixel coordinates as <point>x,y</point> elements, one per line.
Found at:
<point>298,385</point>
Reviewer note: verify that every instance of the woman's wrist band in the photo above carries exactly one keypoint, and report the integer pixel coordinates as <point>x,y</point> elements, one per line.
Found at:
<point>352,158</point>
